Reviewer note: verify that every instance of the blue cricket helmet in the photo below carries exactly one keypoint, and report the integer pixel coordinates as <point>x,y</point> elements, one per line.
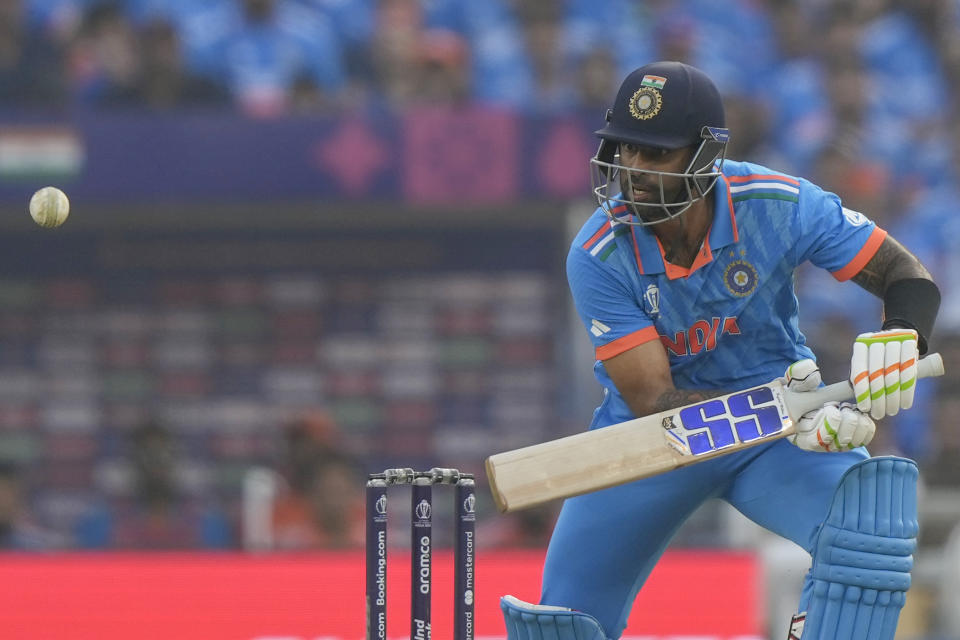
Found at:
<point>664,105</point>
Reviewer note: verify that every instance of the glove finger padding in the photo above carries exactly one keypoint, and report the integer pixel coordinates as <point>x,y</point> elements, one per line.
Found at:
<point>856,429</point>
<point>883,371</point>
<point>876,363</point>
<point>834,427</point>
<point>860,375</point>
<point>891,380</point>
<point>908,373</point>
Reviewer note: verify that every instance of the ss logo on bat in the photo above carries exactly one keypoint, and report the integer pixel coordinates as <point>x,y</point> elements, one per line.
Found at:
<point>723,422</point>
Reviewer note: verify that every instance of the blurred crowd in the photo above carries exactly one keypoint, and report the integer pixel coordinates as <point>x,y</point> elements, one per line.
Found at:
<point>860,96</point>
<point>787,59</point>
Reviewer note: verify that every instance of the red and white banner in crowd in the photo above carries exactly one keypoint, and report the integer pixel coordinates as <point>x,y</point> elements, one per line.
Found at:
<point>692,595</point>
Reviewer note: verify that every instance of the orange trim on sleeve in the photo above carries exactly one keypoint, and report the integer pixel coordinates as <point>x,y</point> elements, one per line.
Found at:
<point>627,342</point>
<point>863,256</point>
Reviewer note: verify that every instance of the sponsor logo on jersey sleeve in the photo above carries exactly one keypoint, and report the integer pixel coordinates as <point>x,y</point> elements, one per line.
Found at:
<point>855,218</point>
<point>597,328</point>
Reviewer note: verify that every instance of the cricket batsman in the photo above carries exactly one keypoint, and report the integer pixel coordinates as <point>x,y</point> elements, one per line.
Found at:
<point>683,278</point>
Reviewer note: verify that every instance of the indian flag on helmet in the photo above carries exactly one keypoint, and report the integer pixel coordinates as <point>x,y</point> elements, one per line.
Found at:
<point>656,82</point>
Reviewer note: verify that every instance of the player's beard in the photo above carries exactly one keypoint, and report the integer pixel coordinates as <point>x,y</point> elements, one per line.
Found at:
<point>652,208</point>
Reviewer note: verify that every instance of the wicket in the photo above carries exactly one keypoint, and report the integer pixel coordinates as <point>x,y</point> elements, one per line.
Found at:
<point>421,543</point>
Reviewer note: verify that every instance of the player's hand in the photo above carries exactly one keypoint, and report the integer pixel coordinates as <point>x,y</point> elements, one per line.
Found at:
<point>834,427</point>
<point>883,371</point>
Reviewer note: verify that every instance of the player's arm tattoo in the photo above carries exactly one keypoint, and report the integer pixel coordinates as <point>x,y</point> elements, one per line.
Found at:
<point>681,397</point>
<point>891,262</point>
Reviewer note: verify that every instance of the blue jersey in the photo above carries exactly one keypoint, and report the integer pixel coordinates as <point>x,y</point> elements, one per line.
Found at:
<point>730,321</point>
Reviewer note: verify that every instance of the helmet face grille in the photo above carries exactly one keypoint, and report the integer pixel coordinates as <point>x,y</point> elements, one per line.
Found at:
<point>608,177</point>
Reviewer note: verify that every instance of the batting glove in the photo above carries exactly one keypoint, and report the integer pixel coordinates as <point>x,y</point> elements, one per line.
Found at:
<point>802,375</point>
<point>834,426</point>
<point>883,371</point>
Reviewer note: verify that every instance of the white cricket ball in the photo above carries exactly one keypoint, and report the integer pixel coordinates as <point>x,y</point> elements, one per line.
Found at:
<point>49,207</point>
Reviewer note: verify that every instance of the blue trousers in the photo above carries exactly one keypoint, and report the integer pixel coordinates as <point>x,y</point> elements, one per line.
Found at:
<point>606,543</point>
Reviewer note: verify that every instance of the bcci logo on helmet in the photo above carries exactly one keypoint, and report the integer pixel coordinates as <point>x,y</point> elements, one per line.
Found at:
<point>423,510</point>
<point>647,101</point>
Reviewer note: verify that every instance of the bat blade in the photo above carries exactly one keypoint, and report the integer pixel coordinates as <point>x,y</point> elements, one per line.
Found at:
<point>658,443</point>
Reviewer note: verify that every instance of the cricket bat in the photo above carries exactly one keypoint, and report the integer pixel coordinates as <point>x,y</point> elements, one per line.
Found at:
<point>653,444</point>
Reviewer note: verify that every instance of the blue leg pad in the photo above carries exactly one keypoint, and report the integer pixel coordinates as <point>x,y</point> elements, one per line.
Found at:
<point>527,621</point>
<point>864,553</point>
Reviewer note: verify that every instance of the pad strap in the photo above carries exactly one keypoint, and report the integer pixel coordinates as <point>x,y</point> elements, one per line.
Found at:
<point>527,621</point>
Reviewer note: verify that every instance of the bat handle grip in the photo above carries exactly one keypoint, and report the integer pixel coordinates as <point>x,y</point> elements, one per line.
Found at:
<point>800,403</point>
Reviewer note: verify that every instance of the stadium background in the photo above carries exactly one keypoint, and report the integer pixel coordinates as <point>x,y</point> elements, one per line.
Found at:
<point>315,238</point>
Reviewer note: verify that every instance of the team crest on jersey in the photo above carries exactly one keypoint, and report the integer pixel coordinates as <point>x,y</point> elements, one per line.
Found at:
<point>740,278</point>
<point>651,301</point>
<point>645,103</point>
